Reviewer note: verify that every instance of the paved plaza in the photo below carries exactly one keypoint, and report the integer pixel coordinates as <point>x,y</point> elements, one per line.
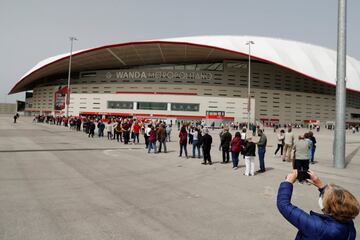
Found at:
<point>59,184</point>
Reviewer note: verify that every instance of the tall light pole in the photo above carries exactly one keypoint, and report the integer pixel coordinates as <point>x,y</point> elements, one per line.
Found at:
<point>339,141</point>
<point>69,76</point>
<point>249,81</point>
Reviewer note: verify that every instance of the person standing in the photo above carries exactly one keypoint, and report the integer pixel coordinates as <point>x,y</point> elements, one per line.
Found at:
<point>161,135</point>
<point>101,127</point>
<point>15,117</point>
<point>196,142</point>
<point>91,129</point>
<point>78,124</point>
<point>109,128</point>
<point>289,142</point>
<point>225,145</point>
<point>206,145</point>
<point>253,129</point>
<point>126,131</point>
<point>118,131</point>
<point>168,132</point>
<point>152,140</point>
<point>280,144</point>
<point>313,140</point>
<point>183,141</point>
<point>236,145</point>
<point>307,139</point>
<point>136,131</point>
<point>147,135</point>
<point>301,163</point>
<point>249,153</point>
<point>261,150</point>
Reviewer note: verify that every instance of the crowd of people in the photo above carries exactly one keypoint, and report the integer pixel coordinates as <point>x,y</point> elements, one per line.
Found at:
<point>156,133</point>
<point>339,207</point>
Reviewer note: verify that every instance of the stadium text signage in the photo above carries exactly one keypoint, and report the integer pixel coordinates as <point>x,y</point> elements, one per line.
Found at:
<point>159,75</point>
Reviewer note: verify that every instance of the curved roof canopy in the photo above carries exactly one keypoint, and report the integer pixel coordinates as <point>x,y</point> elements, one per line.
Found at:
<point>317,63</point>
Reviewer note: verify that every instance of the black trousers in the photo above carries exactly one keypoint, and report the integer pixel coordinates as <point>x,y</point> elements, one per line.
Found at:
<point>126,137</point>
<point>225,151</point>
<point>146,140</point>
<point>183,146</point>
<point>118,136</point>
<point>206,153</point>
<point>91,132</point>
<point>302,166</point>
<point>281,148</point>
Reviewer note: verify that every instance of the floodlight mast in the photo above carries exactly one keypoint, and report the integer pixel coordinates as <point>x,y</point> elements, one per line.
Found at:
<point>249,43</point>
<point>72,39</point>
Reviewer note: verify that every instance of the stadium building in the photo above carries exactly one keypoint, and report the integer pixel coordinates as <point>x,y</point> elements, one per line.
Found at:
<point>195,78</point>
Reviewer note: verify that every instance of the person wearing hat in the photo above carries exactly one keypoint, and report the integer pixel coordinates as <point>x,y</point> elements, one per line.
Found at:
<point>206,145</point>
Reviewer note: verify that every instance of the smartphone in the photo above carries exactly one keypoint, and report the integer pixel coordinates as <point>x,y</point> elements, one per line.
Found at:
<point>303,175</point>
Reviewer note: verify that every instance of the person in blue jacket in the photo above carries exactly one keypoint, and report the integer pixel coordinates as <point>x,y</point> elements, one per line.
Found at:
<point>338,205</point>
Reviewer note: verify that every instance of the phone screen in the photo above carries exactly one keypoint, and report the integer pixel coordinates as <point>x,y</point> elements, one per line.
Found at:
<point>303,175</point>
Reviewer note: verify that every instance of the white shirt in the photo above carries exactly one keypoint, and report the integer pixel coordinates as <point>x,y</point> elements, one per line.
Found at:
<point>289,138</point>
<point>195,135</point>
<point>109,127</point>
<point>280,138</point>
<point>243,135</point>
<point>147,131</point>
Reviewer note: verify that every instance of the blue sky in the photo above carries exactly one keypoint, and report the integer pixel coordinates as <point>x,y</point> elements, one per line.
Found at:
<point>33,30</point>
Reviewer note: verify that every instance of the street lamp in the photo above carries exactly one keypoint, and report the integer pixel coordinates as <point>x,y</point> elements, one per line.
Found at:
<point>69,76</point>
<point>249,43</point>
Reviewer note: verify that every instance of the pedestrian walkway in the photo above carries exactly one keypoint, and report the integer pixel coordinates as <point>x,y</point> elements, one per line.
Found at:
<point>59,184</point>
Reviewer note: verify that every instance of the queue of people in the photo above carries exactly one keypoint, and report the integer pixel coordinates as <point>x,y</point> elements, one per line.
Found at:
<point>286,143</point>
<point>240,144</point>
<point>123,130</point>
<point>157,133</point>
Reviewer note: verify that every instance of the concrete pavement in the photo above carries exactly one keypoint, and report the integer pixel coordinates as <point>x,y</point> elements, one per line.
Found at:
<point>59,184</point>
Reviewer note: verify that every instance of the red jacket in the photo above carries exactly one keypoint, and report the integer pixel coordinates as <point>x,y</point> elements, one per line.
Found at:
<point>136,128</point>
<point>183,137</point>
<point>236,144</point>
<point>152,137</point>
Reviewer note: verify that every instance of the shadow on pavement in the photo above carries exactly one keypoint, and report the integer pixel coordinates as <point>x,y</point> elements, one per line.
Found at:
<point>351,156</point>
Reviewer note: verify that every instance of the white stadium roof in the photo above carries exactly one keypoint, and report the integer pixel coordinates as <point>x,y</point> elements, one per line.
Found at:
<point>315,62</point>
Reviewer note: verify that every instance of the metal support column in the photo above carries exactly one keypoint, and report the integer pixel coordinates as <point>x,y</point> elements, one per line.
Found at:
<point>340,140</point>
<point>69,77</point>
<point>249,84</point>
